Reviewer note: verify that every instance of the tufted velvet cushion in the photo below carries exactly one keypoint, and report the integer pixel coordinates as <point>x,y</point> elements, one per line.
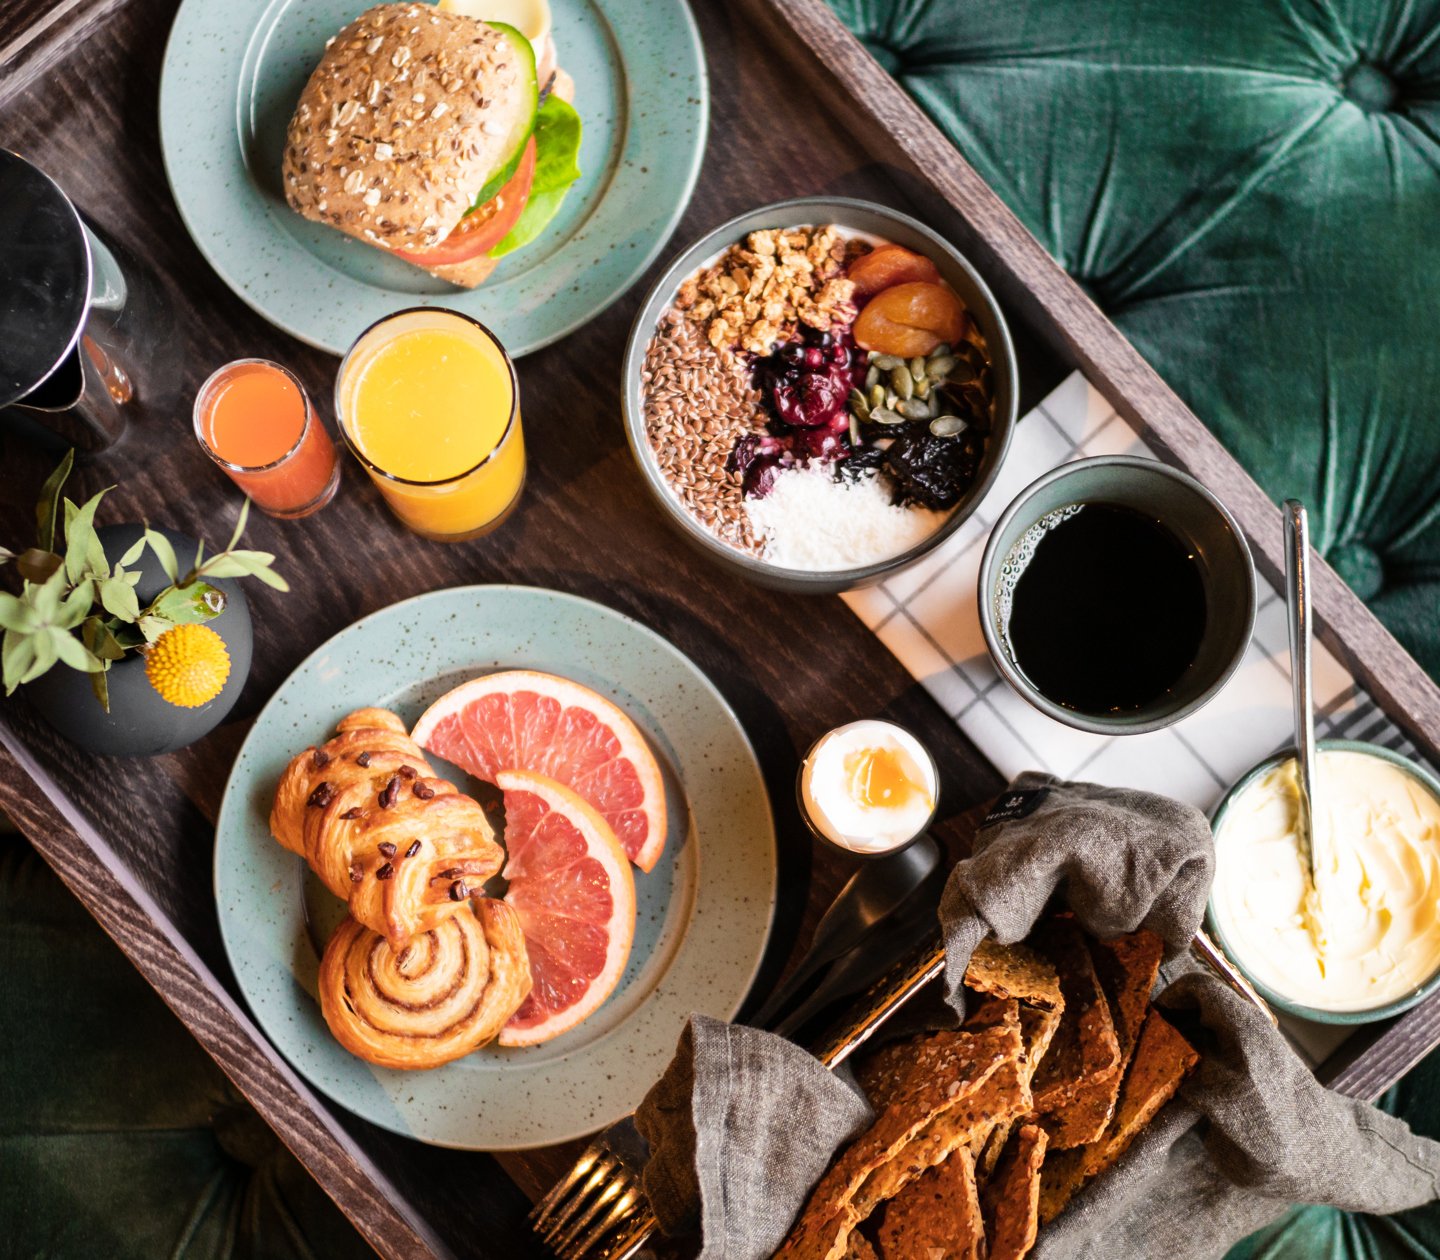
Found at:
<point>119,1138</point>
<point>1251,191</point>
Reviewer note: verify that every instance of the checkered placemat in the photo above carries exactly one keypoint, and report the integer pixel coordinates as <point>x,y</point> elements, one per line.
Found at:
<point>929,618</point>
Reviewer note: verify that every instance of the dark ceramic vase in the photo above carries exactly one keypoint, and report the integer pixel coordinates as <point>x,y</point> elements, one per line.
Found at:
<point>140,723</point>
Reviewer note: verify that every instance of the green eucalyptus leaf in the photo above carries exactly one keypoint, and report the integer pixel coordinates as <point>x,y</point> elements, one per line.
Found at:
<point>75,606</point>
<point>36,564</point>
<point>126,637</point>
<point>83,552</point>
<point>132,554</point>
<point>118,597</point>
<point>239,525</point>
<point>45,598</point>
<point>271,578</point>
<point>100,685</point>
<point>185,605</point>
<point>96,635</point>
<point>45,657</point>
<point>72,652</point>
<point>153,627</point>
<point>17,654</point>
<point>16,614</point>
<point>47,510</point>
<point>164,553</point>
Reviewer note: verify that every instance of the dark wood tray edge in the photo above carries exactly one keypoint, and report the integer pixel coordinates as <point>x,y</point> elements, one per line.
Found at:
<point>92,871</point>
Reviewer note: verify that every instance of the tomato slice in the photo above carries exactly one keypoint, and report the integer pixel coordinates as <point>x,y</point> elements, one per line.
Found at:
<point>483,229</point>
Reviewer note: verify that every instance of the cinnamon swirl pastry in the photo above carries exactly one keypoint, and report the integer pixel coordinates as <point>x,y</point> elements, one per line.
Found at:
<point>403,847</point>
<point>446,993</point>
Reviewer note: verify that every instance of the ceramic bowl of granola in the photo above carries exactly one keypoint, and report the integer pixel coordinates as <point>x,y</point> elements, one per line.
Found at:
<point>819,392</point>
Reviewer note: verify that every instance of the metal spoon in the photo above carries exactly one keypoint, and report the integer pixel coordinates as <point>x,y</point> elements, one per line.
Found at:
<point>1297,600</point>
<point>873,892</point>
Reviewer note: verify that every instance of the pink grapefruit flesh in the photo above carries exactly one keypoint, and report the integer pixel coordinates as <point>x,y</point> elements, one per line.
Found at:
<point>525,720</point>
<point>571,888</point>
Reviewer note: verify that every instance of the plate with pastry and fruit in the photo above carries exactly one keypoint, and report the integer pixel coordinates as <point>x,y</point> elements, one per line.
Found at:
<point>482,855</point>
<point>521,161</point>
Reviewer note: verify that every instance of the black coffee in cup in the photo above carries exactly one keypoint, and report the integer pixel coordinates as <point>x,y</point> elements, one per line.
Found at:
<point>1106,608</point>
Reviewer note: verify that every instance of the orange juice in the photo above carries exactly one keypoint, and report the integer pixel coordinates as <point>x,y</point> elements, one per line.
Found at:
<point>427,400</point>
<point>253,418</point>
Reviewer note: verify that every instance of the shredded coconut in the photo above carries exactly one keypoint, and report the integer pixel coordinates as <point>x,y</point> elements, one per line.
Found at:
<point>812,520</point>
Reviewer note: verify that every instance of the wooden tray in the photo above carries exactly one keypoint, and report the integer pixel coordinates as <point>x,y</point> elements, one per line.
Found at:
<point>797,108</point>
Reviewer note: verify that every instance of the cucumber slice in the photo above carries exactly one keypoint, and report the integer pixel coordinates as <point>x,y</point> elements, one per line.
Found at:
<point>520,133</point>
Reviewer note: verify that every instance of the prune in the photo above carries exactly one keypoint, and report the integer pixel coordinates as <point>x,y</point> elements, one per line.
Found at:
<point>930,471</point>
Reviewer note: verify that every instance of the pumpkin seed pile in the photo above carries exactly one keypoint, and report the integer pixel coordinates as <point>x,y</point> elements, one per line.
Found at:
<point>950,388</point>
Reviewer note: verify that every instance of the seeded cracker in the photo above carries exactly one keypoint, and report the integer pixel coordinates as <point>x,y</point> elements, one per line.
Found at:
<point>1084,1046</point>
<point>1001,1098</point>
<point>1126,966</point>
<point>1011,1201</point>
<point>1163,1058</point>
<point>947,1070</point>
<point>1014,971</point>
<point>937,1215</point>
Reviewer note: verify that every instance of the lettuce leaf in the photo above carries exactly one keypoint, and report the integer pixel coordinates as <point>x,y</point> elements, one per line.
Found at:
<point>558,132</point>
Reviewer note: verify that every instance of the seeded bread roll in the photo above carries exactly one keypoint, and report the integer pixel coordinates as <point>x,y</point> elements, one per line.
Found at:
<point>407,115</point>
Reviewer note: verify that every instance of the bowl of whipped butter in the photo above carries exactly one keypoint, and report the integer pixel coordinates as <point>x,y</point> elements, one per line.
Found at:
<point>1361,941</point>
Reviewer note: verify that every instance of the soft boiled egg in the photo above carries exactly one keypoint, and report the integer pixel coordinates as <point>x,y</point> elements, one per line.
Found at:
<point>869,787</point>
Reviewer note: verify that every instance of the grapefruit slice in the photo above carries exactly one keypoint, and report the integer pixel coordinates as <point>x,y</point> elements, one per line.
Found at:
<point>571,888</point>
<point>524,720</point>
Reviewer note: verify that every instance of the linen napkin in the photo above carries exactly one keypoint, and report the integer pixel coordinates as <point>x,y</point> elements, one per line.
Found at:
<point>743,1123</point>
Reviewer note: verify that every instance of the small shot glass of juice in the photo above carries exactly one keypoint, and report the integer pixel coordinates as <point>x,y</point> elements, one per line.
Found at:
<point>254,419</point>
<point>428,402</point>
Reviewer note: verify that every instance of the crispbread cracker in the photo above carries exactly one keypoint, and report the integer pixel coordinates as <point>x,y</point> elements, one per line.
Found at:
<point>1014,971</point>
<point>936,1215</point>
<point>948,1068</point>
<point>858,1248</point>
<point>1162,1059</point>
<point>1060,1176</point>
<point>1010,1201</point>
<point>1037,1030</point>
<point>1000,1099</point>
<point>1084,1046</point>
<point>881,1073</point>
<point>1127,967</point>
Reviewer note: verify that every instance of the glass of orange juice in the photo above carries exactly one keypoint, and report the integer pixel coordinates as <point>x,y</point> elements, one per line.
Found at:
<point>428,401</point>
<point>254,419</point>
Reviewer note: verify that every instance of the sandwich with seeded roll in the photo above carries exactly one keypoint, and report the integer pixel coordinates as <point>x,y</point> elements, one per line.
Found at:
<point>444,140</point>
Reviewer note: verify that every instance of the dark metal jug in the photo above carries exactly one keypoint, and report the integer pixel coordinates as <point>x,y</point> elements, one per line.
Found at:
<point>62,293</point>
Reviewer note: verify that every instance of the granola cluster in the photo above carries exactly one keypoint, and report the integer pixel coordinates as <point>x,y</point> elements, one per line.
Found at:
<point>765,286</point>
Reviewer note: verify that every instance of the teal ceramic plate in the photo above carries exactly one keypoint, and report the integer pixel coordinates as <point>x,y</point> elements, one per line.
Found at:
<point>703,913</point>
<point>233,72</point>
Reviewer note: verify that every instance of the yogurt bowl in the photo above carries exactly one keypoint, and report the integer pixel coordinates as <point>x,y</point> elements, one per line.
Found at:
<point>683,472</point>
<point>1378,908</point>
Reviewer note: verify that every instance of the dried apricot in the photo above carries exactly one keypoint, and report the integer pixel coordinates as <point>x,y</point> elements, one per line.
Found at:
<point>910,319</point>
<point>888,265</point>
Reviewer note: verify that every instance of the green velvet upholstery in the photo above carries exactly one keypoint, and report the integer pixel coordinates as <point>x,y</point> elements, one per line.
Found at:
<point>119,1137</point>
<point>1251,191</point>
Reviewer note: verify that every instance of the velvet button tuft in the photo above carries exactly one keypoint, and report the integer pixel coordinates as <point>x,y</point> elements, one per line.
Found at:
<point>1361,567</point>
<point>1369,87</point>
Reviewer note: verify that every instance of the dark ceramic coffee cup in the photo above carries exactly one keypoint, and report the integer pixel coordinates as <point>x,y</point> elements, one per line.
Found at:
<point>1195,516</point>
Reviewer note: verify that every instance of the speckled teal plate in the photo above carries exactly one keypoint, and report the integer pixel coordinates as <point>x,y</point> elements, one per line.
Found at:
<point>233,72</point>
<point>703,913</point>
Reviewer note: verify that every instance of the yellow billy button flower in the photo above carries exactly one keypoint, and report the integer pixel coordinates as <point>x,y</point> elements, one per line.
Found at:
<point>188,665</point>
